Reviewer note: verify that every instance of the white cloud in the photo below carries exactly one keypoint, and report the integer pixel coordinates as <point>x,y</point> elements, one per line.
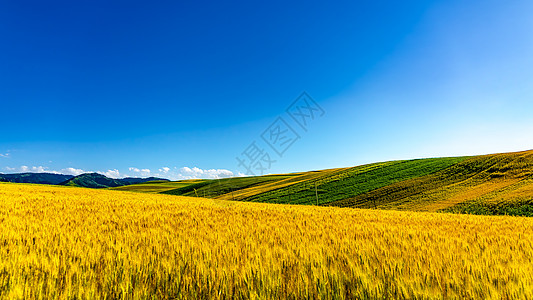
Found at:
<point>72,171</point>
<point>5,155</point>
<point>140,172</point>
<point>111,173</point>
<point>164,170</point>
<point>33,169</point>
<point>193,173</point>
<point>39,169</point>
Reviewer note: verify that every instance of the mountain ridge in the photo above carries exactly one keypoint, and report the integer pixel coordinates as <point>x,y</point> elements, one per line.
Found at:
<point>36,178</point>
<point>96,180</point>
<point>90,180</point>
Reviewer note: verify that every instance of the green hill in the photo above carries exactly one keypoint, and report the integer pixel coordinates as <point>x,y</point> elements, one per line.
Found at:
<point>95,180</point>
<point>156,186</point>
<point>486,184</point>
<point>38,178</point>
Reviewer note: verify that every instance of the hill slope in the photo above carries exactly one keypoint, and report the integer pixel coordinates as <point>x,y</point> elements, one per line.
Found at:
<point>485,184</point>
<point>157,186</point>
<point>492,184</point>
<point>38,178</point>
<point>95,180</point>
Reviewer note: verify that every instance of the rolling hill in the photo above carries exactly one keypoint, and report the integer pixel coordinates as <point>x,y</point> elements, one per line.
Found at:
<point>38,178</point>
<point>156,186</point>
<point>95,180</point>
<point>500,184</point>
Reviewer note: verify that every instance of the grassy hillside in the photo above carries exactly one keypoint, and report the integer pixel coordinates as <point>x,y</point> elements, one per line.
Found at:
<point>156,186</point>
<point>74,243</point>
<point>482,181</point>
<point>487,184</point>
<point>92,180</point>
<point>37,178</point>
<point>354,181</point>
<point>99,181</point>
<point>215,188</point>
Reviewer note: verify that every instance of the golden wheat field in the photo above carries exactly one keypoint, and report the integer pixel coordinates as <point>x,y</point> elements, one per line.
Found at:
<point>66,243</point>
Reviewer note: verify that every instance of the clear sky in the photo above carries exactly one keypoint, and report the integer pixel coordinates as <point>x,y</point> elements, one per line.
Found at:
<point>182,89</point>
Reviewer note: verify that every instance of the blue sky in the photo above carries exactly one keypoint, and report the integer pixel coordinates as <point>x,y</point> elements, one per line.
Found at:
<point>181,89</point>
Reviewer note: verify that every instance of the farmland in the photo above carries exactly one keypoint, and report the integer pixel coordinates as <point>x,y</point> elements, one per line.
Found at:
<point>496,184</point>
<point>157,186</point>
<point>67,242</point>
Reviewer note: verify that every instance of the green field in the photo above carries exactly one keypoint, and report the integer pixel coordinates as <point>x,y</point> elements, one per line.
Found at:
<point>157,186</point>
<point>355,181</point>
<point>498,184</point>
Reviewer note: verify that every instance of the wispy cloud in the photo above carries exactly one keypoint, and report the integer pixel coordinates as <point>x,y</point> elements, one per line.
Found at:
<point>33,169</point>
<point>183,173</point>
<point>164,170</point>
<point>73,171</point>
<point>136,172</point>
<point>111,173</point>
<point>5,155</point>
<point>196,172</point>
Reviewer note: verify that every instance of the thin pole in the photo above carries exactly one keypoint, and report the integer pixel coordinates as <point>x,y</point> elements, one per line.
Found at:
<point>316,193</point>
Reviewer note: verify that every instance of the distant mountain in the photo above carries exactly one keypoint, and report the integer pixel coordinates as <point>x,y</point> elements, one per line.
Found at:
<point>39,178</point>
<point>92,180</point>
<point>98,181</point>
